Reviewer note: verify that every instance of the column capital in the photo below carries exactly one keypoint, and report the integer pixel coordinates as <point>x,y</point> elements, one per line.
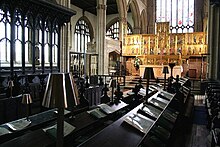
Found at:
<point>101,6</point>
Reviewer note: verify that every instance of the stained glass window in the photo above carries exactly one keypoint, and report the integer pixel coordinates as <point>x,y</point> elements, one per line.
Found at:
<point>180,14</point>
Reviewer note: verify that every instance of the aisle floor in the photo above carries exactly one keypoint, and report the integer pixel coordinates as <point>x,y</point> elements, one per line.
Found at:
<point>199,136</point>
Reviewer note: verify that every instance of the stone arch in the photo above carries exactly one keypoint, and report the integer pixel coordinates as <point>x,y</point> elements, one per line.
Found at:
<point>144,22</point>
<point>136,16</point>
<point>115,20</point>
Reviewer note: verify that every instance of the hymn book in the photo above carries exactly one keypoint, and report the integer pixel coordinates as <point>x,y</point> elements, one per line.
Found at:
<point>101,111</point>
<point>140,122</point>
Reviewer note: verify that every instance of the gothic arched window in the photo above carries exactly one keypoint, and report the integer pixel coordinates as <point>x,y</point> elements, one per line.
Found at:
<point>82,36</point>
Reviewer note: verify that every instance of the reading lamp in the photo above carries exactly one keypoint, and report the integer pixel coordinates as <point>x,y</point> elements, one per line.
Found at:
<point>165,71</point>
<point>59,93</point>
<point>11,85</point>
<point>148,74</point>
<point>113,85</point>
<point>27,100</point>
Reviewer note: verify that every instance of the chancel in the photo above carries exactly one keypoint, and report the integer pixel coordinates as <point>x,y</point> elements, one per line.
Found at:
<point>53,51</point>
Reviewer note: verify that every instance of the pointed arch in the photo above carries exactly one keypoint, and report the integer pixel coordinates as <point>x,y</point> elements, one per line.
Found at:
<point>144,22</point>
<point>112,28</point>
<point>89,25</point>
<point>136,16</point>
<point>83,34</point>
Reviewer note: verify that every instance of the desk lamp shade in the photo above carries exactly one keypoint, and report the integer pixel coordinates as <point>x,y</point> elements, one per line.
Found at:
<point>59,91</point>
<point>10,83</point>
<point>165,70</point>
<point>26,99</point>
<point>148,73</point>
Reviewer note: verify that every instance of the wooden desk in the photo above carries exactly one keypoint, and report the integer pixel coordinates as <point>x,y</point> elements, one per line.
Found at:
<point>39,138</point>
<point>118,134</point>
<point>37,121</point>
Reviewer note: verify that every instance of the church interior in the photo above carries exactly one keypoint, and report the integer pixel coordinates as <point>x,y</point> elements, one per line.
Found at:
<point>103,73</point>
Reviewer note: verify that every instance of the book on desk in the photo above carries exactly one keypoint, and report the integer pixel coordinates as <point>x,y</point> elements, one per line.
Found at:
<point>139,121</point>
<point>101,111</point>
<point>149,111</point>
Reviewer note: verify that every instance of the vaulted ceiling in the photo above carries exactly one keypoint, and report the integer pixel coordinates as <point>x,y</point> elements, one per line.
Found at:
<point>90,6</point>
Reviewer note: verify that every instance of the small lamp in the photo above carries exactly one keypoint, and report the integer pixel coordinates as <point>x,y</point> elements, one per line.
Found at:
<point>113,85</point>
<point>59,93</point>
<point>105,98</point>
<point>165,71</point>
<point>148,74</point>
<point>11,85</point>
<point>27,100</point>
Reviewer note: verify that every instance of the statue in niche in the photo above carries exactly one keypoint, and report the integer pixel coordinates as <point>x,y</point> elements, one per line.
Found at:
<point>193,52</point>
<point>194,39</point>
<point>151,51</point>
<point>189,51</point>
<point>200,50</point>
<point>132,51</point>
<point>179,50</point>
<point>129,41</point>
<point>145,42</point>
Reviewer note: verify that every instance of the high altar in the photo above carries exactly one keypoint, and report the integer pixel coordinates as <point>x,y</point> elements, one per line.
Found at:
<point>162,48</point>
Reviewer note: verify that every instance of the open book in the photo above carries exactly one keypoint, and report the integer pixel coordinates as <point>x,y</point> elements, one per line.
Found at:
<point>140,122</point>
<point>158,103</point>
<point>149,111</point>
<point>68,128</point>
<point>101,111</point>
<point>18,124</point>
<point>106,108</point>
<point>4,131</point>
<point>97,113</point>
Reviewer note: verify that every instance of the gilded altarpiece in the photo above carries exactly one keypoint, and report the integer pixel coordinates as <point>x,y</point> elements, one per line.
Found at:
<point>164,47</point>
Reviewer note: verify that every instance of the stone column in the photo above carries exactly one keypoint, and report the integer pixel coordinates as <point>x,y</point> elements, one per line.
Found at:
<point>213,42</point>
<point>199,15</point>
<point>65,37</point>
<point>151,16</point>
<point>100,36</point>
<point>122,32</point>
